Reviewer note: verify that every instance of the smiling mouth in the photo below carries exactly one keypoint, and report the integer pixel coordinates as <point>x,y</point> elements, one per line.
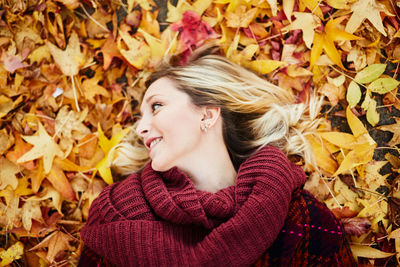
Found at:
<point>155,142</point>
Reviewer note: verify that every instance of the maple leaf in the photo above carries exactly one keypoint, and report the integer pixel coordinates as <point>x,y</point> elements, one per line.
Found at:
<point>31,210</point>
<point>10,214</point>
<point>395,129</point>
<point>240,17</point>
<point>91,87</point>
<point>306,22</point>
<point>193,30</point>
<point>70,59</point>
<point>325,41</point>
<point>366,9</point>
<point>137,53</point>
<point>43,146</point>
<point>108,147</point>
<point>49,192</point>
<point>109,51</point>
<point>55,243</point>
<point>7,173</point>
<point>12,63</point>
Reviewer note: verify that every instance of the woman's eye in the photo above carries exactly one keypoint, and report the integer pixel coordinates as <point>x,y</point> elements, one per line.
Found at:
<point>155,106</point>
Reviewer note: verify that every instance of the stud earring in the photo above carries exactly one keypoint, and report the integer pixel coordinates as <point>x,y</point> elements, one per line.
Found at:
<point>205,125</point>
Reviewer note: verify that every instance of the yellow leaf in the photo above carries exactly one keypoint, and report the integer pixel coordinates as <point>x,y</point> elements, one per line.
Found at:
<point>368,252</point>
<point>69,60</point>
<point>394,234</point>
<point>353,95</point>
<point>312,5</point>
<point>49,192</point>
<point>14,252</point>
<point>361,155</point>
<point>355,124</point>
<point>91,87</point>
<point>343,140</point>
<point>103,166</point>
<point>288,6</point>
<point>40,53</point>
<point>322,156</point>
<point>240,17</point>
<point>69,166</point>
<point>44,146</point>
<point>307,22</point>
<point>274,6</point>
<point>157,48</point>
<point>325,41</point>
<point>175,12</point>
<point>7,173</point>
<point>60,182</point>
<point>366,9</point>
<point>265,66</point>
<point>6,105</point>
<point>372,114</point>
<point>201,5</point>
<point>137,53</point>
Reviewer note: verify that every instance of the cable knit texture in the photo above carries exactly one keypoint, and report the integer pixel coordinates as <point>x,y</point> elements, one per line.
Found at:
<point>160,219</point>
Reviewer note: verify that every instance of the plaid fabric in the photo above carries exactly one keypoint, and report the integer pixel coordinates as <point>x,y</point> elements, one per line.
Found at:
<point>312,236</point>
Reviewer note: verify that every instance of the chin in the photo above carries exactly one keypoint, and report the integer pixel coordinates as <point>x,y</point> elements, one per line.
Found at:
<point>158,167</point>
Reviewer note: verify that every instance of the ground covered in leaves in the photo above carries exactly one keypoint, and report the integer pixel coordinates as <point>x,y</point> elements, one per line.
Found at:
<point>71,75</point>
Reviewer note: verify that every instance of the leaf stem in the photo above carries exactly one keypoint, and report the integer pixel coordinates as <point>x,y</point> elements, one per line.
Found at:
<point>92,19</point>
<point>74,91</point>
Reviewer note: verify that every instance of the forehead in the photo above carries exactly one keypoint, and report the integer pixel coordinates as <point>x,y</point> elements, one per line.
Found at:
<point>163,86</point>
<point>166,89</point>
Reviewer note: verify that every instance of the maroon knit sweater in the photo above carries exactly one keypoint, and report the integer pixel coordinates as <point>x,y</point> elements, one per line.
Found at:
<point>160,219</point>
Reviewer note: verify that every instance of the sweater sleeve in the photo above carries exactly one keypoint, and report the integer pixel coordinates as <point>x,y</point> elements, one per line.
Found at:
<point>239,239</point>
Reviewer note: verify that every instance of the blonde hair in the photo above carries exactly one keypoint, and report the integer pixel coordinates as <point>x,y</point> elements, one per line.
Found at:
<point>254,111</point>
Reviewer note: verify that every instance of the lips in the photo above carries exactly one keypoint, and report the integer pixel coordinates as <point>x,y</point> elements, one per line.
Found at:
<point>150,141</point>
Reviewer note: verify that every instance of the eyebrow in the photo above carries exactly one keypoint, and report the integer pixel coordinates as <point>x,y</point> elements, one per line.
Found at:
<point>147,101</point>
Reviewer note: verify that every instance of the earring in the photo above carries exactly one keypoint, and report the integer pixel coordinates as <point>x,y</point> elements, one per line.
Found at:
<point>205,125</point>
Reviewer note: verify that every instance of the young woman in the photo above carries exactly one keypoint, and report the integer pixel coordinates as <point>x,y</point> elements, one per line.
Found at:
<point>219,189</point>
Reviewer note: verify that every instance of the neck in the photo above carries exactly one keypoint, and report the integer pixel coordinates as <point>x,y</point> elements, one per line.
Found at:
<point>212,173</point>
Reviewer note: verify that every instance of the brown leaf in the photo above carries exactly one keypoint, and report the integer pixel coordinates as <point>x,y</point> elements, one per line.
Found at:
<point>356,226</point>
<point>395,129</point>
<point>55,243</point>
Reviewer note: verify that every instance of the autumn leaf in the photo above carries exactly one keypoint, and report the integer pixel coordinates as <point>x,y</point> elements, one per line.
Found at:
<point>91,88</point>
<point>366,9</point>
<point>43,146</point>
<point>306,22</point>
<point>370,73</point>
<point>55,243</point>
<point>70,59</point>
<point>193,31</point>
<point>395,129</point>
<point>137,52</point>
<point>12,63</point>
<point>108,146</point>
<point>7,173</point>
<point>13,253</point>
<point>109,51</point>
<point>368,252</point>
<point>31,210</point>
<point>325,41</point>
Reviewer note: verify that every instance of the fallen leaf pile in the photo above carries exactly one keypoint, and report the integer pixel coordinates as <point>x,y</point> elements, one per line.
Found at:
<point>72,73</point>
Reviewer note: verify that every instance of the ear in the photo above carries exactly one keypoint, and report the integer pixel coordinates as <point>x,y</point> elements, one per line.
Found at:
<point>211,114</point>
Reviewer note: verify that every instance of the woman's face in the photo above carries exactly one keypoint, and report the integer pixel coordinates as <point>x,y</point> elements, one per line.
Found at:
<point>169,125</point>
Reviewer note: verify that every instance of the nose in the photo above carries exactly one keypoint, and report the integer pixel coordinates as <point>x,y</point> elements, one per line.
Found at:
<point>142,128</point>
